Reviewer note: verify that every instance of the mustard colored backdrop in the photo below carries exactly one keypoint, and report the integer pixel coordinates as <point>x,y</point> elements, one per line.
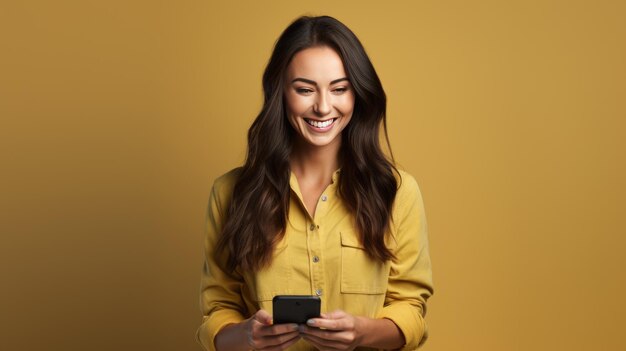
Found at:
<point>116,116</point>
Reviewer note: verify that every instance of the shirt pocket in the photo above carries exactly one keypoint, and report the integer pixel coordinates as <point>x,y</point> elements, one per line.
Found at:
<point>359,273</point>
<point>274,279</point>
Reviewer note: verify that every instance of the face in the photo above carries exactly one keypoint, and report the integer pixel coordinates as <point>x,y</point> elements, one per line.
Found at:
<point>319,97</point>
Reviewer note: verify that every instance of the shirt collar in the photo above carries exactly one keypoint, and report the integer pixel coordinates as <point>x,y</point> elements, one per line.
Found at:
<point>293,182</point>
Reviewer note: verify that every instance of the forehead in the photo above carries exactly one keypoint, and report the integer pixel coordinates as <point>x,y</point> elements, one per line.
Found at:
<point>321,64</point>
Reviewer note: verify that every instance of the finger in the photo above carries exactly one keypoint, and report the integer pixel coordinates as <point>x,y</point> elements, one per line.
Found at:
<point>263,317</point>
<point>255,328</point>
<point>332,324</point>
<point>260,342</point>
<point>342,337</point>
<point>277,329</point>
<point>277,341</point>
<point>324,344</point>
<point>284,345</point>
<point>290,342</point>
<point>307,330</point>
<point>336,314</point>
<point>249,339</point>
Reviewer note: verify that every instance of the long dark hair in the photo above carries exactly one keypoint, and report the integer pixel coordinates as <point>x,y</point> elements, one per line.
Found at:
<point>257,215</point>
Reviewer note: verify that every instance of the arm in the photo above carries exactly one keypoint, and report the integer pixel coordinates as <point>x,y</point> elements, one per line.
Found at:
<point>224,326</point>
<point>220,291</point>
<point>381,333</point>
<point>410,280</point>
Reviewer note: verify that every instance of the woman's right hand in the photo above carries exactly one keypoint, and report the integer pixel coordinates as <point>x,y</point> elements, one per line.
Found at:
<point>257,333</point>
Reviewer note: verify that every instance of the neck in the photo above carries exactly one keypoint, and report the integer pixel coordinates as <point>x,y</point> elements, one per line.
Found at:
<point>317,163</point>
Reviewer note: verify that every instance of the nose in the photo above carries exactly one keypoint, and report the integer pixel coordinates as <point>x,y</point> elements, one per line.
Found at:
<point>322,105</point>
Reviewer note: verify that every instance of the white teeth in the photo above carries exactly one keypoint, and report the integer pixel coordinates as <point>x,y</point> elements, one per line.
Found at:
<point>320,124</point>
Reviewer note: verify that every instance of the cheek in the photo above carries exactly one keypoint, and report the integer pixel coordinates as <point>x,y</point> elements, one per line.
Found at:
<point>291,112</point>
<point>295,105</point>
<point>346,105</point>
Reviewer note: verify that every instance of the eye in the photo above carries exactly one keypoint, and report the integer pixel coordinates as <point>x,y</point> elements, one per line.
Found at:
<point>340,90</point>
<point>303,91</point>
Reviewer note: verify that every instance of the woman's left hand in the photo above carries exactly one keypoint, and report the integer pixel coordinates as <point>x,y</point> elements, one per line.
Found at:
<point>336,330</point>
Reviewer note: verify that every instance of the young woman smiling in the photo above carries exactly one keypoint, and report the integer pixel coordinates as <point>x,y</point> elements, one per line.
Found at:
<point>317,209</point>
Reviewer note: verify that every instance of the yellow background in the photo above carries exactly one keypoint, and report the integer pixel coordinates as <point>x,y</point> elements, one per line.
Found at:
<point>116,116</point>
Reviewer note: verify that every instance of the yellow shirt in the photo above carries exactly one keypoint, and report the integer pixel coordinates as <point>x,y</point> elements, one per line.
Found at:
<point>322,256</point>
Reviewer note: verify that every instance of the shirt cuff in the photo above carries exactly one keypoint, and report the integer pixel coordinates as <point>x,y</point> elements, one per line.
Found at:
<point>410,321</point>
<point>205,335</point>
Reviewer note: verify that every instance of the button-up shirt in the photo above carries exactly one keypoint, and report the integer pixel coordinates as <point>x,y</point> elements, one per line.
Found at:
<point>322,256</point>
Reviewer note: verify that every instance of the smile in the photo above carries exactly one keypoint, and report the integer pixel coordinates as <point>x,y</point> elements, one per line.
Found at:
<point>320,124</point>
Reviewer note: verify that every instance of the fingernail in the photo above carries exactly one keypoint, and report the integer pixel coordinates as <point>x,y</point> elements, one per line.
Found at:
<point>310,322</point>
<point>294,326</point>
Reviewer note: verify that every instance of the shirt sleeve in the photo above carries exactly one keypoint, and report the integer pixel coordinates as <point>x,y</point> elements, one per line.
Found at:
<point>410,279</point>
<point>221,302</point>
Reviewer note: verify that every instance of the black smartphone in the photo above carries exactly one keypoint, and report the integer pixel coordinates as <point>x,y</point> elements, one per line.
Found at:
<point>295,308</point>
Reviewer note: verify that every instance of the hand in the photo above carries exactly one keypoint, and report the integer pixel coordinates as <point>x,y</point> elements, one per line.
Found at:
<point>261,334</point>
<point>339,331</point>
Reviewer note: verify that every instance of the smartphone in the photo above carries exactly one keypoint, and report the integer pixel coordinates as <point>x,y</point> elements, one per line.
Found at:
<point>295,308</point>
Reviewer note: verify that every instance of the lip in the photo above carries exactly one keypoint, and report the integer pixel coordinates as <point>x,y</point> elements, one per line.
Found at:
<point>319,120</point>
<point>325,129</point>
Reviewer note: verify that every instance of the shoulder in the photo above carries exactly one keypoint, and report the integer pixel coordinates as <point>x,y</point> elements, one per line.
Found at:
<point>224,184</point>
<point>227,179</point>
<point>408,195</point>
<point>407,185</point>
<point>408,216</point>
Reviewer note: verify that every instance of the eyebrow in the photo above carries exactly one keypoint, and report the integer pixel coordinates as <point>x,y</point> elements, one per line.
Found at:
<point>315,83</point>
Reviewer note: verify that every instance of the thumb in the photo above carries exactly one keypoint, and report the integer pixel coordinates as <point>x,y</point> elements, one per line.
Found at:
<point>263,317</point>
<point>336,314</point>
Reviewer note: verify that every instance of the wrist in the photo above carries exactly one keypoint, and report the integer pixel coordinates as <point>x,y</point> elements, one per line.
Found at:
<point>232,337</point>
<point>363,330</point>
<point>378,333</point>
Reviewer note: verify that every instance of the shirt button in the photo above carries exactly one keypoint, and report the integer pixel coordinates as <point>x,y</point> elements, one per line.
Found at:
<point>316,259</point>
<point>312,227</point>
<point>318,292</point>
<point>324,197</point>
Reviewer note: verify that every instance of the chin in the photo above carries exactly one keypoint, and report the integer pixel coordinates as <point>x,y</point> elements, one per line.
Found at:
<point>322,141</point>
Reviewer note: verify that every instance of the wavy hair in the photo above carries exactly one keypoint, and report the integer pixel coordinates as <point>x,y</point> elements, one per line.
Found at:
<point>257,215</point>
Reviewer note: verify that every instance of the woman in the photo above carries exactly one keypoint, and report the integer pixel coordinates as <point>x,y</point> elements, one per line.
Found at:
<point>317,209</point>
